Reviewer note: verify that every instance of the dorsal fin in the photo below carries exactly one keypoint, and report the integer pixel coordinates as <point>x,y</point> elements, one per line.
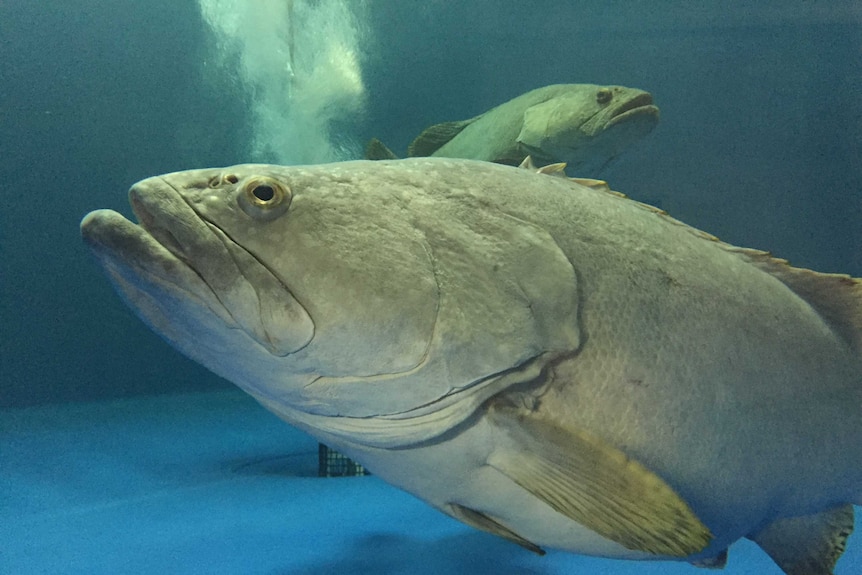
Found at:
<point>528,164</point>
<point>837,298</point>
<point>434,137</point>
<point>377,150</point>
<point>595,184</point>
<point>558,169</point>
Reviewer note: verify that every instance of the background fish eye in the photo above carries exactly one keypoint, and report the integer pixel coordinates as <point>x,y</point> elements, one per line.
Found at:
<point>604,96</point>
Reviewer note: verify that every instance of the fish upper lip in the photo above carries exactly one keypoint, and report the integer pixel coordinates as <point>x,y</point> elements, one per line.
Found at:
<point>162,234</point>
<point>150,224</point>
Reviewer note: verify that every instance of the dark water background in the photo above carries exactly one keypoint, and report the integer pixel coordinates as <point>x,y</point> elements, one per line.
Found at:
<point>759,141</point>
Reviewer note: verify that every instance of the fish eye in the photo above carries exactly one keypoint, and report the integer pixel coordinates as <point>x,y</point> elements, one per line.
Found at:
<point>603,96</point>
<point>264,198</point>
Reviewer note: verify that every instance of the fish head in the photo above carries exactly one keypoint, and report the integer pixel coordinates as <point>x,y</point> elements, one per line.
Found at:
<point>587,126</point>
<point>352,290</point>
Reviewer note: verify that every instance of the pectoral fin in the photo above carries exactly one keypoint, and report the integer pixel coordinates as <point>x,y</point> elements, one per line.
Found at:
<point>479,520</point>
<point>809,545</point>
<point>596,485</point>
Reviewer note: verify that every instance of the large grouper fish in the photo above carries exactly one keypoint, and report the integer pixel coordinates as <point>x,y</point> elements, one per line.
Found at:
<point>583,125</point>
<point>536,356</point>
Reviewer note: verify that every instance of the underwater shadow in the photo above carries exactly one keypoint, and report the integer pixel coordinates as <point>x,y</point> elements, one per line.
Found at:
<point>292,465</point>
<point>391,554</point>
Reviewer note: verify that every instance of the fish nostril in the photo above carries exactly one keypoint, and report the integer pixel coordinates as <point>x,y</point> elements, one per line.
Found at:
<point>220,180</point>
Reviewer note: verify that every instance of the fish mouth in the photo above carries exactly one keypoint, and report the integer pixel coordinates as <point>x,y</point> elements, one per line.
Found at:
<point>145,262</point>
<point>641,106</point>
<point>175,254</point>
<point>165,216</point>
<point>148,223</point>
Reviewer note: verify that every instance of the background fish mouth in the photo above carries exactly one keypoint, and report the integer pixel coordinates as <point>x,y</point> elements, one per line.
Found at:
<point>641,105</point>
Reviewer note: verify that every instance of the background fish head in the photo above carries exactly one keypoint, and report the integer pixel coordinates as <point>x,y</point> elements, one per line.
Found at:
<point>588,126</point>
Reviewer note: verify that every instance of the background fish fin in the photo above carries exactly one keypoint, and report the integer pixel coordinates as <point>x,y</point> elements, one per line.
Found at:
<point>596,485</point>
<point>434,137</point>
<point>836,297</point>
<point>377,150</point>
<point>717,562</point>
<point>808,545</point>
<point>479,520</point>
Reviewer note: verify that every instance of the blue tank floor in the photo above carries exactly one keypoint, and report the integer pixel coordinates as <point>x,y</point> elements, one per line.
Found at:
<point>212,483</point>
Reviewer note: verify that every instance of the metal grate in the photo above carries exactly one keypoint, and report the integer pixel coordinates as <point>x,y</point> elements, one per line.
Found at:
<point>333,464</point>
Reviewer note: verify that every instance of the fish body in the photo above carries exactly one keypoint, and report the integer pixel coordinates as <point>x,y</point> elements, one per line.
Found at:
<point>536,356</point>
<point>584,125</point>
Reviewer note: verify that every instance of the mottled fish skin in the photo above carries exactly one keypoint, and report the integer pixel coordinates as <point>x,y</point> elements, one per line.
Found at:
<point>585,126</point>
<point>539,357</point>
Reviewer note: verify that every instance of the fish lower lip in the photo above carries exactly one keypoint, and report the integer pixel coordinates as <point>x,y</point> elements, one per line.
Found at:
<point>628,113</point>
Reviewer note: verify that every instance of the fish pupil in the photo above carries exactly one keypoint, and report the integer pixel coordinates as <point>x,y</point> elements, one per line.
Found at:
<point>263,193</point>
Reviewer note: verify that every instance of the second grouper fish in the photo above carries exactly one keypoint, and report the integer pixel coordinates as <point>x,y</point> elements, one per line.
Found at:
<point>584,125</point>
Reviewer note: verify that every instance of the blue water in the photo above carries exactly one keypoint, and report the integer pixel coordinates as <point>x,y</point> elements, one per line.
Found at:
<point>758,143</point>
